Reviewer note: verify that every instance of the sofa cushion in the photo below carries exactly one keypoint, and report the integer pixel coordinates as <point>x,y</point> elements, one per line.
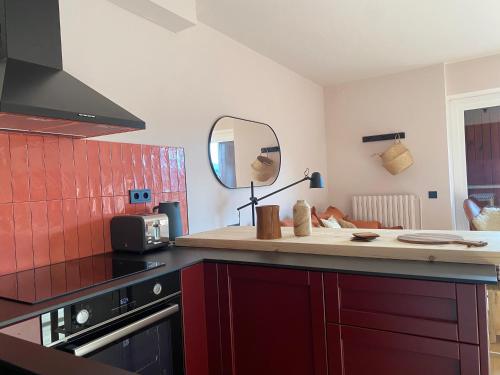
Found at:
<point>488,219</point>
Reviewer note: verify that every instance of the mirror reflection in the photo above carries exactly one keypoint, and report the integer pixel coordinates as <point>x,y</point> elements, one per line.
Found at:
<point>242,151</point>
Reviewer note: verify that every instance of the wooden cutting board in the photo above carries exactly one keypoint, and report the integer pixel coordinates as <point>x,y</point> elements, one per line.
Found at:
<point>439,239</point>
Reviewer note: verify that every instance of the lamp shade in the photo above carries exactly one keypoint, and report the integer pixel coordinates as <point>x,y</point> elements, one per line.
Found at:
<point>316,181</point>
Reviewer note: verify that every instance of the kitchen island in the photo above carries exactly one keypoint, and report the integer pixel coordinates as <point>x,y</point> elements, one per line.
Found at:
<point>353,324</point>
<point>271,287</point>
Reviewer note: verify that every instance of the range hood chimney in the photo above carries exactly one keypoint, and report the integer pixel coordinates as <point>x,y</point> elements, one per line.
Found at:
<point>36,94</point>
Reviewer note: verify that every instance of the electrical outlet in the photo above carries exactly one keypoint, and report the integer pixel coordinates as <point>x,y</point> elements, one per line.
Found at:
<point>140,195</point>
<point>433,194</point>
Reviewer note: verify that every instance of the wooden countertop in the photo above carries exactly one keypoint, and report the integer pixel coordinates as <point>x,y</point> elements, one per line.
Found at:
<point>337,242</point>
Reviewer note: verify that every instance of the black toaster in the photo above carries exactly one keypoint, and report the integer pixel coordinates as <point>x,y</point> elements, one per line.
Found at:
<point>139,233</point>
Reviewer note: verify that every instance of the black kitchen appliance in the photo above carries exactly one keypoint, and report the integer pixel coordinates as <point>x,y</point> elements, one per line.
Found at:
<point>173,210</point>
<point>136,328</point>
<point>139,233</point>
<point>55,280</point>
<point>36,94</point>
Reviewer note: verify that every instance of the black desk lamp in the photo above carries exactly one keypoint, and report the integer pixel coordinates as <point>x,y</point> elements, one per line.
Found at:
<point>315,182</point>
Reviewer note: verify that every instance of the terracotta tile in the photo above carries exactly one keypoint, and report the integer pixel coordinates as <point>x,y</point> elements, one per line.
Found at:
<point>58,278</point>
<point>40,229</point>
<point>117,169</point>
<point>84,227</point>
<point>52,167</point>
<point>119,205</point>
<point>156,170</point>
<point>165,170</point>
<point>149,206</point>
<point>129,207</point>
<point>66,160</point>
<point>140,208</point>
<point>172,163</point>
<point>23,236</point>
<point>38,188</point>
<point>95,188</point>
<point>43,283</point>
<point>184,212</point>
<point>181,169</point>
<point>19,168</point>
<point>26,284</point>
<point>8,253</point>
<point>107,214</point>
<point>81,168</point>
<point>146,165</point>
<point>70,229</point>
<point>106,169</point>
<point>157,198</point>
<point>137,167</point>
<point>56,231</point>
<point>97,226</point>
<point>5,174</point>
<point>128,172</point>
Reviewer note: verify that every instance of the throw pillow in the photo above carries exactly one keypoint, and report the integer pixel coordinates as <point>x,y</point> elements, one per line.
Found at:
<point>346,224</point>
<point>488,219</point>
<point>331,222</point>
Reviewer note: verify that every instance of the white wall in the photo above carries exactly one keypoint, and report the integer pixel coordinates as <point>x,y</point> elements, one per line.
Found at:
<point>473,75</point>
<point>413,102</point>
<point>181,83</point>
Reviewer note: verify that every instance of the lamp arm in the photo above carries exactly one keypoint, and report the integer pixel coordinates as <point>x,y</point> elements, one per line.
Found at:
<point>274,192</point>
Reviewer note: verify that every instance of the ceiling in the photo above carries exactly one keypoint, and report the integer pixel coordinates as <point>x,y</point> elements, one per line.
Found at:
<point>333,41</point>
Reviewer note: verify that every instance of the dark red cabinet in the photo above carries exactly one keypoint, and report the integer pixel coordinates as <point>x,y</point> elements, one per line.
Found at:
<point>246,320</point>
<point>367,351</point>
<point>272,321</point>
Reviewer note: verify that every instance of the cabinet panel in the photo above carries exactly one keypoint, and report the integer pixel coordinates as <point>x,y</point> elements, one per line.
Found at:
<point>424,308</point>
<point>272,321</point>
<point>367,351</point>
<point>200,314</point>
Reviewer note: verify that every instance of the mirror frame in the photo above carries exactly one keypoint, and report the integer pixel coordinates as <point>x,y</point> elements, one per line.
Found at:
<point>210,156</point>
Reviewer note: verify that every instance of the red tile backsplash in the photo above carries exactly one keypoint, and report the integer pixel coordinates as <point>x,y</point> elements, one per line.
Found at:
<point>58,195</point>
<point>5,174</point>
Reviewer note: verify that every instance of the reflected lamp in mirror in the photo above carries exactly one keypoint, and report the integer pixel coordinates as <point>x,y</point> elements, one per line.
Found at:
<point>242,151</point>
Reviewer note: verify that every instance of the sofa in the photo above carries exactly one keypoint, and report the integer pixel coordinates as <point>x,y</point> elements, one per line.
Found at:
<point>344,220</point>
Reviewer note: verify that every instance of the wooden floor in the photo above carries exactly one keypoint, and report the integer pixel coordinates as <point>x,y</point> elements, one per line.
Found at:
<point>495,359</point>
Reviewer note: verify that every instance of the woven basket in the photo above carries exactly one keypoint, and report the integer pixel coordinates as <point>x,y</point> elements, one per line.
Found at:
<point>393,151</point>
<point>399,163</point>
<point>263,169</point>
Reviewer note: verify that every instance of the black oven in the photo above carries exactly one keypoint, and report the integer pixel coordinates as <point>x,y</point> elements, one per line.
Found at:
<point>137,328</point>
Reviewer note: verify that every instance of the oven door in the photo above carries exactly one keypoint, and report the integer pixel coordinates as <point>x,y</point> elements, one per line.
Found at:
<point>149,342</point>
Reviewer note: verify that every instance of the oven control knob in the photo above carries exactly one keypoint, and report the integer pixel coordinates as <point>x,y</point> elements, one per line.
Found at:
<point>83,316</point>
<point>157,289</point>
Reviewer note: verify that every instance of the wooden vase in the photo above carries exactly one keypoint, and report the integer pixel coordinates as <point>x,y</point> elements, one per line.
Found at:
<point>268,222</point>
<point>302,225</point>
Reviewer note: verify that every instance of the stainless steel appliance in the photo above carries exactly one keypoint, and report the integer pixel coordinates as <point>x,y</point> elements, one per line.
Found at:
<point>139,233</point>
<point>136,328</point>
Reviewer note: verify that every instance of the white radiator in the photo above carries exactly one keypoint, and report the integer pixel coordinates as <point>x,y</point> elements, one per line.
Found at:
<point>390,210</point>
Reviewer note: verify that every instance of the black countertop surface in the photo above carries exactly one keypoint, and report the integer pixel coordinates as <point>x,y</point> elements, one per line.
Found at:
<point>178,258</point>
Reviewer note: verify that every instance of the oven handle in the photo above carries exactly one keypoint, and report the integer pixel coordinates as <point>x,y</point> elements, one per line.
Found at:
<point>124,331</point>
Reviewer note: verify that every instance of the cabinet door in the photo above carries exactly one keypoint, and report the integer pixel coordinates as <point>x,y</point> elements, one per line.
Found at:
<point>272,321</point>
<point>367,351</point>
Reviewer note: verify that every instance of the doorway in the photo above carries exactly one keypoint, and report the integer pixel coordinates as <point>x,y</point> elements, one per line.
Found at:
<point>474,151</point>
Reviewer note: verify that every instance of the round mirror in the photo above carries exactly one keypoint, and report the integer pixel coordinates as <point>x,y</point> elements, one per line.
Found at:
<point>242,151</point>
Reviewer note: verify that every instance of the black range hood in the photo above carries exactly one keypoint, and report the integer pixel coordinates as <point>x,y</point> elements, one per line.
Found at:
<point>36,94</point>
